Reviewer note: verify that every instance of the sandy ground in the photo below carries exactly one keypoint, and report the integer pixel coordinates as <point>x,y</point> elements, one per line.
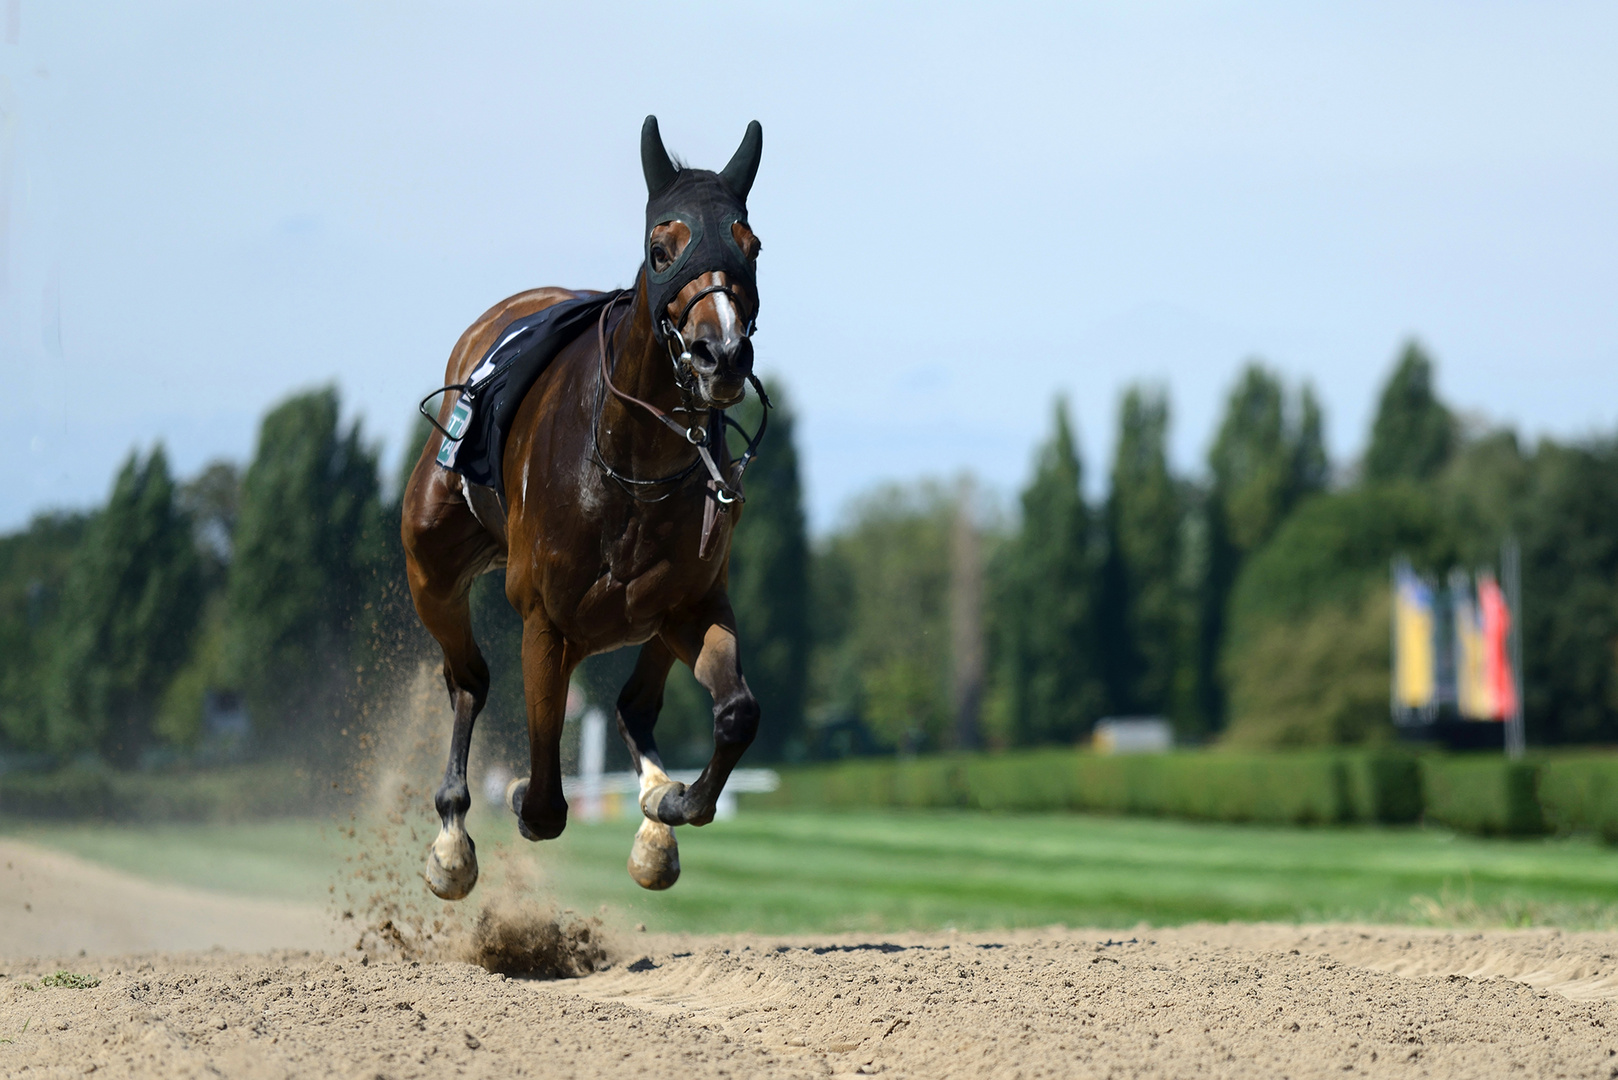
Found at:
<point>55,904</point>
<point>1191,1001</point>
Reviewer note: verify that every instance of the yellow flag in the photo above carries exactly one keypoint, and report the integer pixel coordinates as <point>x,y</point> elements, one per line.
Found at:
<point>1414,682</point>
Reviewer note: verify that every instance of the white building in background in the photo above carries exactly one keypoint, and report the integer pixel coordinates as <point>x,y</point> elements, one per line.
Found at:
<point>1133,735</point>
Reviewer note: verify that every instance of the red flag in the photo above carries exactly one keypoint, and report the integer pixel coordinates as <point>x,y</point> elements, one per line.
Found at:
<point>1496,656</point>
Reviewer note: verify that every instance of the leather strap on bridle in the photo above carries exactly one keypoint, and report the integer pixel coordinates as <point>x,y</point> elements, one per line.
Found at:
<point>696,436</point>
<point>678,325</point>
<point>723,493</point>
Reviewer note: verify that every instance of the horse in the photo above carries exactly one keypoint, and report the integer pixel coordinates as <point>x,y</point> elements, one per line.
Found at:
<point>613,515</point>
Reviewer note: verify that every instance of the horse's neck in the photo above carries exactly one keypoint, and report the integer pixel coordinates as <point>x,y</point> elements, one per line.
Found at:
<point>641,368</point>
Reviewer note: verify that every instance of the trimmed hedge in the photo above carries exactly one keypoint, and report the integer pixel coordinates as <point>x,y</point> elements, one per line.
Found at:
<point>1483,794</point>
<point>248,791</point>
<point>1298,788</point>
<point>1580,794</point>
<point>1476,793</point>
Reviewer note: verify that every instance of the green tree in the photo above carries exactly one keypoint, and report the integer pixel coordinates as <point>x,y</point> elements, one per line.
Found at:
<point>1049,668</point>
<point>210,502</point>
<point>1265,460</point>
<point>883,642</point>
<point>769,583</point>
<point>308,538</point>
<point>129,614</point>
<point>1413,435</point>
<point>392,641</point>
<point>1307,657</point>
<point>1144,603</point>
<point>1483,491</point>
<point>1311,470</point>
<point>1569,533</point>
<point>1561,502</point>
<point>1319,680</point>
<point>34,566</point>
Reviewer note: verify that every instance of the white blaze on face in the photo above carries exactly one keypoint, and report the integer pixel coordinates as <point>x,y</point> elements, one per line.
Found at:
<point>729,318</point>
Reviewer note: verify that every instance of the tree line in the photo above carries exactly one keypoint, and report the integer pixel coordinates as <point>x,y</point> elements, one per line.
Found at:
<point>1087,610</point>
<point>279,589</point>
<point>1248,603</point>
<point>121,622</point>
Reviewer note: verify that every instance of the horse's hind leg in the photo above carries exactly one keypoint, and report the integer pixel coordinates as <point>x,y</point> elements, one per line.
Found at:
<point>445,548</point>
<point>654,861</point>
<point>452,861</point>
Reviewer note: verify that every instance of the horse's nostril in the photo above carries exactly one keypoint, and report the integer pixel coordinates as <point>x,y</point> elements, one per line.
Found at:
<point>702,357</point>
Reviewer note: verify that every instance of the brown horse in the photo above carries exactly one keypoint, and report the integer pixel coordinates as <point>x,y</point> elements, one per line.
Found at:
<point>613,516</point>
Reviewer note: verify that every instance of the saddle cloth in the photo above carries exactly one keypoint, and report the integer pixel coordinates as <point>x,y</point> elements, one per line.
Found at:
<point>482,415</point>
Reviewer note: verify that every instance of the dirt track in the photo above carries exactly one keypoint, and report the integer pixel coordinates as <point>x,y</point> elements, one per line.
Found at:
<point>1193,1001</point>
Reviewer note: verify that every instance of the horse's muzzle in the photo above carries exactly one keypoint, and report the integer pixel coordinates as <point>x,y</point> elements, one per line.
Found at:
<point>721,369</point>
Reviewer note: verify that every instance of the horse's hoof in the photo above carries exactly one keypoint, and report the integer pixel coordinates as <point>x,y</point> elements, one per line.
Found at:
<point>452,866</point>
<point>514,795</point>
<point>654,861</point>
<point>651,802</point>
<point>516,791</point>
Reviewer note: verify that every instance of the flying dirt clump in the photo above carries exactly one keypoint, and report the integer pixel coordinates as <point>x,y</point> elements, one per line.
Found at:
<point>381,888</point>
<point>512,939</point>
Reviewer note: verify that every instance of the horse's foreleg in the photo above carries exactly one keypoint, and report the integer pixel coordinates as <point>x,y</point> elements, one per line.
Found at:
<point>654,861</point>
<point>708,644</point>
<point>546,665</point>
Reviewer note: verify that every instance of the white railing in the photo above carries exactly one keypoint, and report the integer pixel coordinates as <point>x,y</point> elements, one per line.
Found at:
<point>611,796</point>
<point>596,795</point>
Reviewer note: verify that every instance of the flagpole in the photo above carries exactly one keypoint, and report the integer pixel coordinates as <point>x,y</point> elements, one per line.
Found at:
<point>1511,571</point>
<point>1393,643</point>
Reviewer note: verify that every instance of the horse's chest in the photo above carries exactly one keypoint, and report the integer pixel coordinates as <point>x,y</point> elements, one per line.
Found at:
<point>650,567</point>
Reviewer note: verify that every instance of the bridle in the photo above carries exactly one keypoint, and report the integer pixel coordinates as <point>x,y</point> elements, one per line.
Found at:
<point>703,436</point>
<point>684,373</point>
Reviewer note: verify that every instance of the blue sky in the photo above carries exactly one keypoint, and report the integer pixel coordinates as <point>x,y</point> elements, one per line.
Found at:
<point>965,210</point>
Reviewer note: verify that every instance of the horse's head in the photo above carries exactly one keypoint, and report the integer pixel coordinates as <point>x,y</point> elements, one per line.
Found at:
<point>700,264</point>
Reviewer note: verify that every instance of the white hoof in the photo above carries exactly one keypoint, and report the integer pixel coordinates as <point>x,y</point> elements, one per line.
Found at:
<point>654,861</point>
<point>452,865</point>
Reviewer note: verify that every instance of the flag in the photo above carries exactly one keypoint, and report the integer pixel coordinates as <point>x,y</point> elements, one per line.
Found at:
<point>1414,677</point>
<point>1497,673</point>
<point>1474,696</point>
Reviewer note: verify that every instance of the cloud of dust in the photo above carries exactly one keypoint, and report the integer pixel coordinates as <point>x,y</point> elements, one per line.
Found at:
<point>516,936</point>
<point>517,929</point>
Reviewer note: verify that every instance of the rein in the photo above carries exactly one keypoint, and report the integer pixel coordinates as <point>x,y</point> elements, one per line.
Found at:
<point>702,436</point>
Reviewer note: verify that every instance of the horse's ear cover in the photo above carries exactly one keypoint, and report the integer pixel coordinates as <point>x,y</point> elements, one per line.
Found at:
<point>654,160</point>
<point>709,204</point>
<point>738,175</point>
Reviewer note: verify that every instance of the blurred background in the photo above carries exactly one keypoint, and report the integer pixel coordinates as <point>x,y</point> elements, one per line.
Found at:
<point>1122,355</point>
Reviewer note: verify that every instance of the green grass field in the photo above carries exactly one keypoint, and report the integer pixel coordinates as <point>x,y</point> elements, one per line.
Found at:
<point>781,871</point>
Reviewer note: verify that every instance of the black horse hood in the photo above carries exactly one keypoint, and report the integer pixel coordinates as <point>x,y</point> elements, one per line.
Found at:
<point>709,203</point>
